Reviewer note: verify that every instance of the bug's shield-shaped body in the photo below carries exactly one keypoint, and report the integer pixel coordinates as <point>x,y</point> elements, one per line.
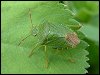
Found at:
<point>72,39</point>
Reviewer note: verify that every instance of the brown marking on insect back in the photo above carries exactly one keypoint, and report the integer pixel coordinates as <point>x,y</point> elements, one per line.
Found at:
<point>72,39</point>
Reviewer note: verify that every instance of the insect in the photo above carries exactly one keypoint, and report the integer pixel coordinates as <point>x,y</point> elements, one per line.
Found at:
<point>72,39</point>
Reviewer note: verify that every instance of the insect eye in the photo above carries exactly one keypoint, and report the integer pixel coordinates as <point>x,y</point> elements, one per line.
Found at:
<point>72,39</point>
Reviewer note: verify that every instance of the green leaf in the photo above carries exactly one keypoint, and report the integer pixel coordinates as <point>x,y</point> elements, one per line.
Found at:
<point>62,15</point>
<point>18,60</point>
<point>16,24</point>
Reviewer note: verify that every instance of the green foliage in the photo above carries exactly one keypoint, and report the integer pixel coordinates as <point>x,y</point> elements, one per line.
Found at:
<point>83,10</point>
<point>52,21</point>
<point>93,56</point>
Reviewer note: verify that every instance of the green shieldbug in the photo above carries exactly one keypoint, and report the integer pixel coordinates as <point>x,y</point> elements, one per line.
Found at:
<point>71,38</point>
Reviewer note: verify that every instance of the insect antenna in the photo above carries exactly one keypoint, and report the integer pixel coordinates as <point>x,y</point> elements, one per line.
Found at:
<point>24,39</point>
<point>31,28</point>
<point>30,16</point>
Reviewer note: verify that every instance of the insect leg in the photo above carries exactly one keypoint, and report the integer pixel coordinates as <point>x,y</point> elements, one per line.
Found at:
<point>24,39</point>
<point>71,59</point>
<point>32,51</point>
<point>46,57</point>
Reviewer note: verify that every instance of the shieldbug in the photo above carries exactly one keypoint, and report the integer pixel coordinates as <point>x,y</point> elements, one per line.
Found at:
<point>72,39</point>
